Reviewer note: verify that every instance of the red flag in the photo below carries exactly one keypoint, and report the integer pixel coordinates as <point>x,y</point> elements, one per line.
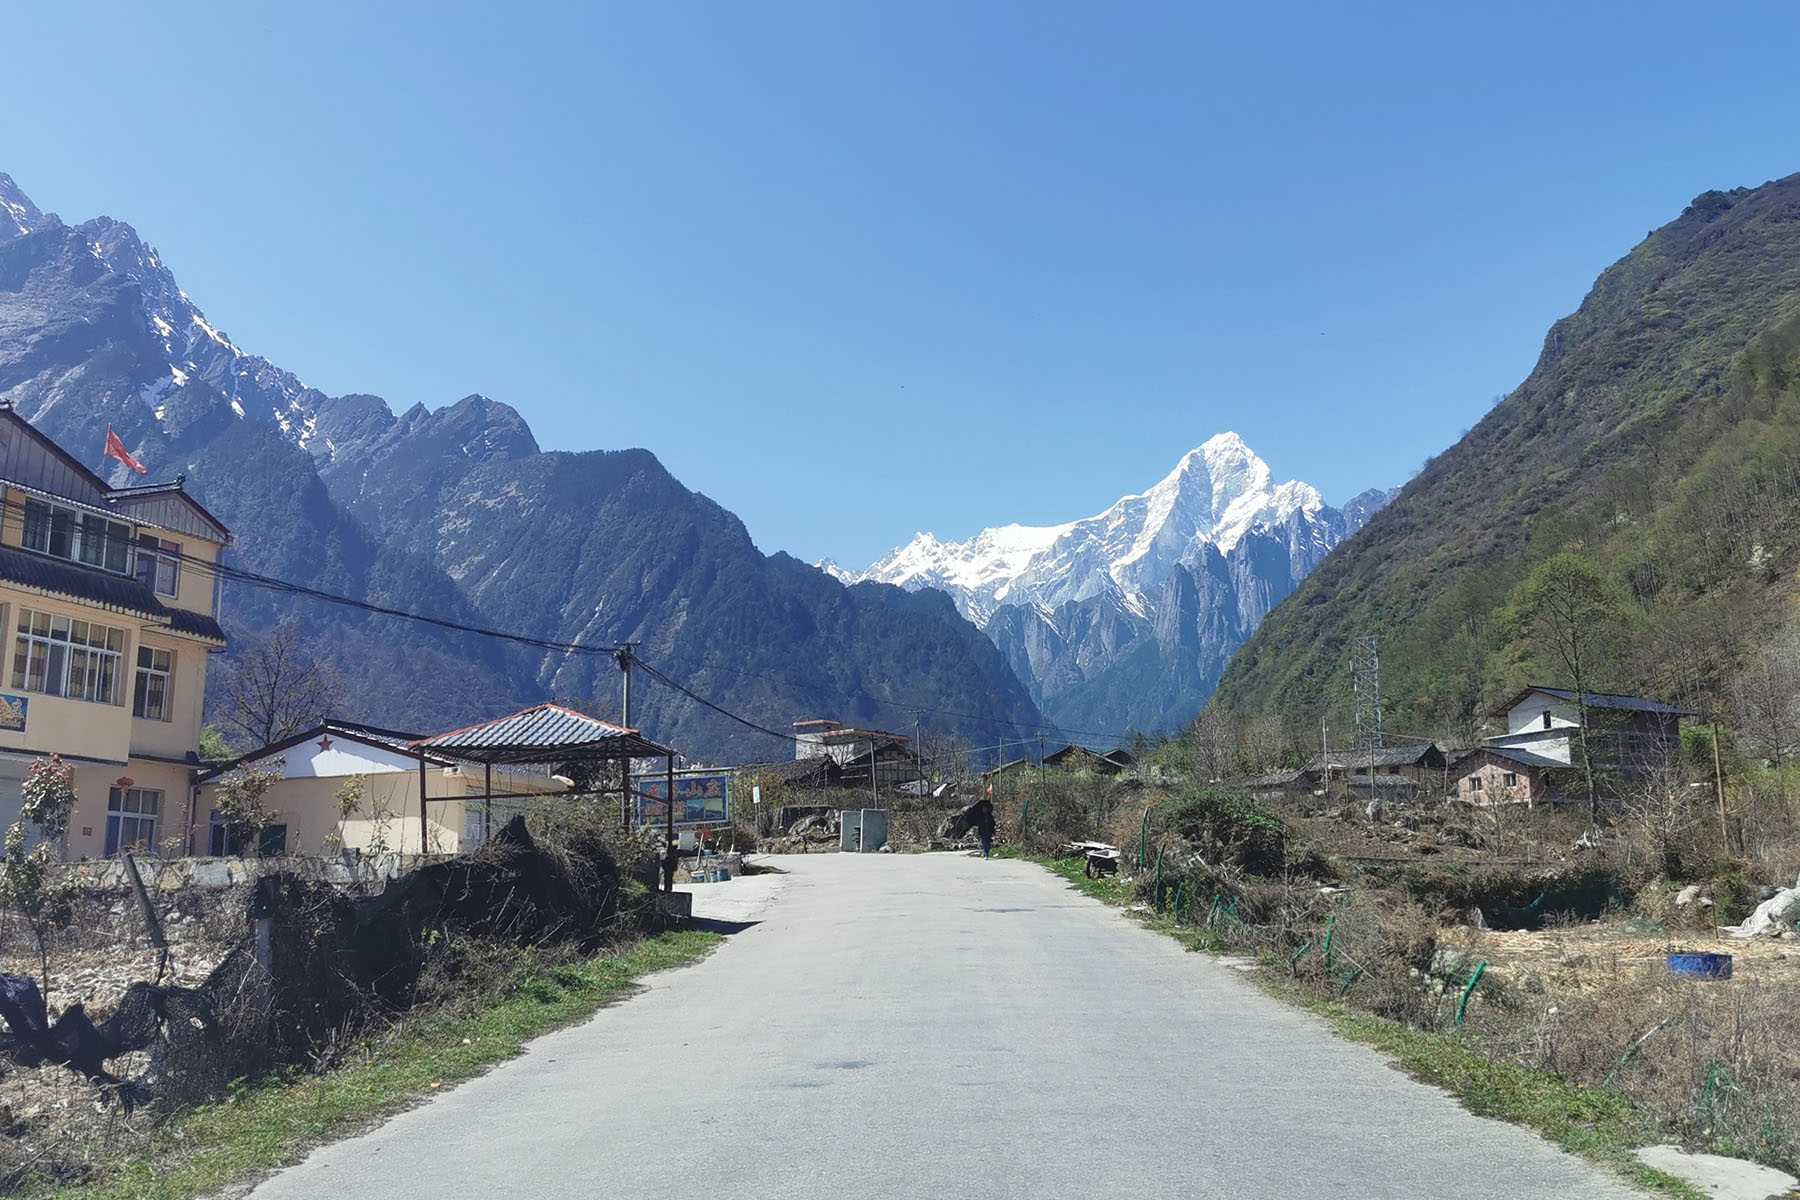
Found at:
<point>116,449</point>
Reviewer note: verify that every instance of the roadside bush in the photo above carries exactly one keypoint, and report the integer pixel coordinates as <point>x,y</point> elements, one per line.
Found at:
<point>1227,827</point>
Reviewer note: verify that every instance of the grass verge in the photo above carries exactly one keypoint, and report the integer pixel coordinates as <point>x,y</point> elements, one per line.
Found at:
<point>273,1122</point>
<point>1601,1126</point>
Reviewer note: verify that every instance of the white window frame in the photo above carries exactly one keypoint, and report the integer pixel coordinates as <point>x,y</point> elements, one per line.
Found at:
<point>72,669</point>
<point>146,674</point>
<point>89,536</point>
<point>135,810</point>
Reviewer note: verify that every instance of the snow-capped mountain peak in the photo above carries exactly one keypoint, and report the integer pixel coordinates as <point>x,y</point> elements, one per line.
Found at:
<point>1218,493</point>
<point>1187,568</point>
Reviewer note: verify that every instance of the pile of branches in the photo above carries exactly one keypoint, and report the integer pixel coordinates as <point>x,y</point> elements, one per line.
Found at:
<point>316,963</point>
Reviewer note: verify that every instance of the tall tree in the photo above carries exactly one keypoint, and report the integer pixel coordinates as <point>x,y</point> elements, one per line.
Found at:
<point>276,688</point>
<point>1571,611</point>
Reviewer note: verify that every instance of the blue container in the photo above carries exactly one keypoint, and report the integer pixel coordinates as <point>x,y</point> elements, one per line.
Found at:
<point>1700,966</point>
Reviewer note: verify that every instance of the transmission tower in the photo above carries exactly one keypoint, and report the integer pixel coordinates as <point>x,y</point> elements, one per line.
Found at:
<point>1365,683</point>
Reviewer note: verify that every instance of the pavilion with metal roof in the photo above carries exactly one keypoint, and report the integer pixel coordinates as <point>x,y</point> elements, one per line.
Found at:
<point>551,738</point>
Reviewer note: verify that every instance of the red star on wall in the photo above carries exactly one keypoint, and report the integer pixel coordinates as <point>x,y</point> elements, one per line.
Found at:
<point>325,743</point>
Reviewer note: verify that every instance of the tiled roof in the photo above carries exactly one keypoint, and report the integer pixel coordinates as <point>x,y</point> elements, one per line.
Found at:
<point>1524,758</point>
<point>117,592</point>
<point>1599,700</point>
<point>1385,756</point>
<point>549,729</point>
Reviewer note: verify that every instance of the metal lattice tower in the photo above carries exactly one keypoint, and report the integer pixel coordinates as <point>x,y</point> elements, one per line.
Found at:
<point>1365,684</point>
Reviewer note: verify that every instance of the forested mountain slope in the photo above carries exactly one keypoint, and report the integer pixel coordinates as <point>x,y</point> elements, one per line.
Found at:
<point>1658,439</point>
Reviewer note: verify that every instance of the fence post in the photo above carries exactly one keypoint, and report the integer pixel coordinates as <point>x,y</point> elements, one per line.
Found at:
<point>1470,990</point>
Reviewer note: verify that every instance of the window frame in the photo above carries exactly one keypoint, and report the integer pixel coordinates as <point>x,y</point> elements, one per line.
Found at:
<point>143,678</point>
<point>121,813</point>
<point>1474,783</point>
<point>37,644</point>
<point>163,560</point>
<point>91,539</point>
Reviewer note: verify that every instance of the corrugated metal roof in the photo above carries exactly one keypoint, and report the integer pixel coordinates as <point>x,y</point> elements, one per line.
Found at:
<point>547,728</point>
<point>83,583</point>
<point>117,592</point>
<point>195,624</point>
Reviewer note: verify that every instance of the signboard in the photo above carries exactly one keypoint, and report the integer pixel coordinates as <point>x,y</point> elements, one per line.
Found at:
<point>12,713</point>
<point>699,799</point>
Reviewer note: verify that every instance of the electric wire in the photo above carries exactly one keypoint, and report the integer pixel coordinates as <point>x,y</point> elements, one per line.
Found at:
<point>242,576</point>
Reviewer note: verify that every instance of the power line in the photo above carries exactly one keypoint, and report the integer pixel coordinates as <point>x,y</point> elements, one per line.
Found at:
<point>253,579</point>
<point>698,699</point>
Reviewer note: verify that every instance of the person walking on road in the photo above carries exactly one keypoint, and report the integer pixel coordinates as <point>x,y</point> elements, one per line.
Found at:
<point>984,824</point>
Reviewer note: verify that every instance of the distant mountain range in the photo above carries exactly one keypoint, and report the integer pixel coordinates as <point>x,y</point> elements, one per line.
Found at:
<point>1126,619</point>
<point>457,512</point>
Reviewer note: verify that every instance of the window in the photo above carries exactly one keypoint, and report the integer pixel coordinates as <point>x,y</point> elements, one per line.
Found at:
<point>131,819</point>
<point>1474,783</point>
<point>272,841</point>
<point>218,836</point>
<point>1511,779</point>
<point>1546,718</point>
<point>78,537</point>
<point>150,699</point>
<point>60,656</point>
<point>158,564</point>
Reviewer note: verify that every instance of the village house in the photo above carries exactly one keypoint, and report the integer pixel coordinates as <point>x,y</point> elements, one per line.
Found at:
<point>1412,772</point>
<point>1489,775</point>
<point>383,769</point>
<point>857,752</point>
<point>1538,758</point>
<point>1080,758</point>
<point>110,600</point>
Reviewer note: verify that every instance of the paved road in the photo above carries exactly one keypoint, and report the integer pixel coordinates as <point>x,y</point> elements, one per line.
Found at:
<point>924,1026</point>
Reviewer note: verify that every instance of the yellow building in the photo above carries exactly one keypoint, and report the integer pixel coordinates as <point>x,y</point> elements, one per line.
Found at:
<point>109,604</point>
<point>345,786</point>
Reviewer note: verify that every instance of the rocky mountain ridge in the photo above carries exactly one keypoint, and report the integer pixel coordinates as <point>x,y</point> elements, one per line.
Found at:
<point>458,513</point>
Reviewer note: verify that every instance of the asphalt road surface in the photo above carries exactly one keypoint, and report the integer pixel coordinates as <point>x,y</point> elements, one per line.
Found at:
<point>939,1025</point>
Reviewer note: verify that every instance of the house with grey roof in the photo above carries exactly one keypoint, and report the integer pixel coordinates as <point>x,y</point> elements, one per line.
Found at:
<point>1538,758</point>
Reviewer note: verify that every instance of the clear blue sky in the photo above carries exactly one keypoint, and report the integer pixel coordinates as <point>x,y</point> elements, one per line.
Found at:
<point>855,270</point>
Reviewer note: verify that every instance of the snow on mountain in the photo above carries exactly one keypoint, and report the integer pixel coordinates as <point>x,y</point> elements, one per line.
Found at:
<point>1216,495</point>
<point>1126,619</point>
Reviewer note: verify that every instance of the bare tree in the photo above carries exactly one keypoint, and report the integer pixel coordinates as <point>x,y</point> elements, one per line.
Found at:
<point>1765,697</point>
<point>1660,808</point>
<point>275,688</point>
<point>1215,740</point>
<point>1265,744</point>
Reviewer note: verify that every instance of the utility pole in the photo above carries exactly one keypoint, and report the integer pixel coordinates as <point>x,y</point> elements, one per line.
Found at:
<point>919,749</point>
<point>1365,684</point>
<point>622,656</point>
